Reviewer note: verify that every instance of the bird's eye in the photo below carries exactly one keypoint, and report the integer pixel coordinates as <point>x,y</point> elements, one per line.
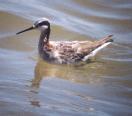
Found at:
<point>40,24</point>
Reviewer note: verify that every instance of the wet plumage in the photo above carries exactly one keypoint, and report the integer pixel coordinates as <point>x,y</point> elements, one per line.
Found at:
<point>65,52</point>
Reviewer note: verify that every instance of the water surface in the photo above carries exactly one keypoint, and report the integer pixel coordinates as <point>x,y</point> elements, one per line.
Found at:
<point>30,86</point>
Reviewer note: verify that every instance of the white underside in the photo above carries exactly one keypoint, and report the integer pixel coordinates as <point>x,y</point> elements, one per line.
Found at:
<point>93,53</point>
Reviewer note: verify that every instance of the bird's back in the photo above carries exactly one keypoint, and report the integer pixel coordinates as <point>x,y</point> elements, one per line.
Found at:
<point>67,52</point>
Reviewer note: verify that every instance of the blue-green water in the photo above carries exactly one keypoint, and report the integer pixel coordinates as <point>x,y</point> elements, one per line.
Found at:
<point>31,87</point>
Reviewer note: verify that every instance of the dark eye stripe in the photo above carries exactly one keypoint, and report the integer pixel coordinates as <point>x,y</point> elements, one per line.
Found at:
<point>38,23</point>
<point>42,23</point>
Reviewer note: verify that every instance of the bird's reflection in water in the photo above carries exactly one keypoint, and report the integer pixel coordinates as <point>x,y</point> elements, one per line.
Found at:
<point>78,74</point>
<point>35,103</point>
<point>43,70</point>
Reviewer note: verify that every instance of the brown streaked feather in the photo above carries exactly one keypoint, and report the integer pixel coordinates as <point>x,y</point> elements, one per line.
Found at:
<point>67,52</point>
<point>104,40</point>
<point>93,45</point>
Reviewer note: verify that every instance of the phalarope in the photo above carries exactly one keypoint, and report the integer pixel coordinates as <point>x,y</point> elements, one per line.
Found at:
<point>65,52</point>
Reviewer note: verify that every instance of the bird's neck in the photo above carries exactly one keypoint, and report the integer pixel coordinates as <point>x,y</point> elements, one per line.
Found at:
<point>44,40</point>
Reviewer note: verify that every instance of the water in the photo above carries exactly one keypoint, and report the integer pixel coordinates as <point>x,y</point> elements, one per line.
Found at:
<point>30,86</point>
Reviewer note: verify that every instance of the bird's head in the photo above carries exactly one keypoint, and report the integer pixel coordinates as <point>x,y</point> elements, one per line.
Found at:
<point>41,24</point>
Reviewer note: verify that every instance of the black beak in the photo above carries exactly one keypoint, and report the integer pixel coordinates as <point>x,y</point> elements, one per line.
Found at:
<point>28,29</point>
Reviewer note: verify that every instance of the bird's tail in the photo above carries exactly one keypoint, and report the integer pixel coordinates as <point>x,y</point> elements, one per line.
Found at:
<point>104,40</point>
<point>99,45</point>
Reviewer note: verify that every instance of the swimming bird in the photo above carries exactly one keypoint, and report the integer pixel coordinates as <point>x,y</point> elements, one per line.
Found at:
<point>65,52</point>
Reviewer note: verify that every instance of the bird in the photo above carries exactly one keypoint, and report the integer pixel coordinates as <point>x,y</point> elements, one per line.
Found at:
<point>65,52</point>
